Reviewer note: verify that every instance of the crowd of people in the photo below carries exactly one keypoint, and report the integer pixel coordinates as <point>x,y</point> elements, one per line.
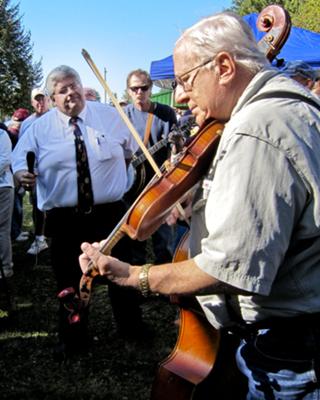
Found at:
<point>255,219</point>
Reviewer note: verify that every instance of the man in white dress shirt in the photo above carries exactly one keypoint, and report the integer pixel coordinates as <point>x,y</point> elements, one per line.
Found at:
<point>109,146</point>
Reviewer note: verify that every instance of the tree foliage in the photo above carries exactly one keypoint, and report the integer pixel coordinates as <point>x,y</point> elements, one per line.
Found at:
<point>304,13</point>
<point>18,72</point>
<point>308,16</point>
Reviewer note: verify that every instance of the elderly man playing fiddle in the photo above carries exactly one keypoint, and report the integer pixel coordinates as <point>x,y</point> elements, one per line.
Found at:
<point>255,235</point>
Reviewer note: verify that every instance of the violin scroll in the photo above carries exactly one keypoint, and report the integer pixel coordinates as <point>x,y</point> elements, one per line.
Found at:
<point>179,135</point>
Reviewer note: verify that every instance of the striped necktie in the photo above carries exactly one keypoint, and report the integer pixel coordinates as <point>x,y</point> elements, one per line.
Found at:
<point>85,194</point>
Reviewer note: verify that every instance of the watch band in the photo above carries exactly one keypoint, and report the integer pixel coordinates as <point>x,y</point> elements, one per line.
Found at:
<point>143,280</point>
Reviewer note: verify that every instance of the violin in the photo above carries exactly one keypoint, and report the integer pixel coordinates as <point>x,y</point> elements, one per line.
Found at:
<point>150,209</point>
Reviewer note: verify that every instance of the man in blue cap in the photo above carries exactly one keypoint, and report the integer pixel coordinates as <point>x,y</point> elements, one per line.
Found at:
<point>301,72</point>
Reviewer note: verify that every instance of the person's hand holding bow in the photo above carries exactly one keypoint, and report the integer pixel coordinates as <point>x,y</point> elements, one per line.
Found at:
<point>113,269</point>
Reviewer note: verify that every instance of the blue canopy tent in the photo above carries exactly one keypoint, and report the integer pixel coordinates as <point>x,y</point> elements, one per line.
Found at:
<point>301,45</point>
<point>162,73</point>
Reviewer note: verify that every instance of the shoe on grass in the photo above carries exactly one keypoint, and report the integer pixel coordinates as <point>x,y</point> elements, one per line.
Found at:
<point>8,273</point>
<point>37,246</point>
<point>22,237</point>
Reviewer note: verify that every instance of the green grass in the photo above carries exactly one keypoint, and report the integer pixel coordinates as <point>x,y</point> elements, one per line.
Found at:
<point>113,369</point>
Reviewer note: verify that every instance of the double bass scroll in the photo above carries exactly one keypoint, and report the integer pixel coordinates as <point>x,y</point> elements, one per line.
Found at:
<point>276,23</point>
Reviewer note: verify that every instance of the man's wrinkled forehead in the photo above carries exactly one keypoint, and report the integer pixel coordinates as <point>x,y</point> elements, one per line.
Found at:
<point>183,58</point>
<point>65,82</point>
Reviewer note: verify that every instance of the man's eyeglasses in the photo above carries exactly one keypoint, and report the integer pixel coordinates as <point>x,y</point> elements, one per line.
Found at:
<point>135,89</point>
<point>64,89</point>
<point>187,86</point>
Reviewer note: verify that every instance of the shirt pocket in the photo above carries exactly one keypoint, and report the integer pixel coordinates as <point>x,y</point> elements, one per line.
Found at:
<point>102,145</point>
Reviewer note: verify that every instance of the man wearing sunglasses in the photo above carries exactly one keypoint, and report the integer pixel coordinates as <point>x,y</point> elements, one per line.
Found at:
<point>153,121</point>
<point>141,109</point>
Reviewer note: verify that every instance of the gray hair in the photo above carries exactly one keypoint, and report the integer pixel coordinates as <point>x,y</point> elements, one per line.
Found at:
<point>227,32</point>
<point>57,75</point>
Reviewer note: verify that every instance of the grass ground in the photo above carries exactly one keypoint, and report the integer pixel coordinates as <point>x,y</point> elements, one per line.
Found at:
<point>113,369</point>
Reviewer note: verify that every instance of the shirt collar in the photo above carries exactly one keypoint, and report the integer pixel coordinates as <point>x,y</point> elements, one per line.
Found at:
<point>66,118</point>
<point>256,84</point>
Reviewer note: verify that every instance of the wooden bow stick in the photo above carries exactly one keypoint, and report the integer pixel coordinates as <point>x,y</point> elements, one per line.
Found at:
<point>122,113</point>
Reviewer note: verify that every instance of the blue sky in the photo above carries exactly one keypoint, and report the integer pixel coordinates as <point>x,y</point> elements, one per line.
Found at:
<point>120,35</point>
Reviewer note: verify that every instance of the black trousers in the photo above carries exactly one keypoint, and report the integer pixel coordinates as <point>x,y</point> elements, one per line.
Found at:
<point>67,229</point>
<point>38,216</point>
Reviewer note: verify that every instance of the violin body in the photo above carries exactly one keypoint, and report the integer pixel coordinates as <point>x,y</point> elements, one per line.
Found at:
<point>148,212</point>
<point>150,209</point>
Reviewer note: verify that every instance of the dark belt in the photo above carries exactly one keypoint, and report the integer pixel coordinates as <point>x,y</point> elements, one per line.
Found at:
<point>75,210</point>
<point>294,324</point>
<point>283,322</point>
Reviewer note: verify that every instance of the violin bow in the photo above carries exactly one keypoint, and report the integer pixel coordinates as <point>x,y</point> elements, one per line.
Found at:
<point>122,113</point>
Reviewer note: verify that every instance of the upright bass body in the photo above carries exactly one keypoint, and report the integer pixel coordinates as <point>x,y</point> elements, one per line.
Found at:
<point>194,354</point>
<point>202,365</point>
<point>149,210</point>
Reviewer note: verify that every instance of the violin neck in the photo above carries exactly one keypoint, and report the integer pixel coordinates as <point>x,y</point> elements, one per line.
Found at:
<point>108,244</point>
<point>117,233</point>
<point>121,229</point>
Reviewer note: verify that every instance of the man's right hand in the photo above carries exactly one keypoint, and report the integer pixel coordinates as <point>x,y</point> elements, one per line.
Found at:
<point>26,179</point>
